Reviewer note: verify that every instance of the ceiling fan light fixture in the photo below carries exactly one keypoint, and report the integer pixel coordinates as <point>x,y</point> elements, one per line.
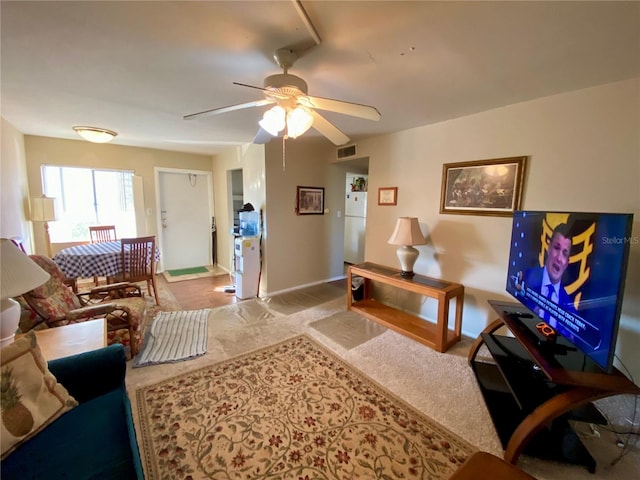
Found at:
<point>299,120</point>
<point>95,134</point>
<point>273,120</point>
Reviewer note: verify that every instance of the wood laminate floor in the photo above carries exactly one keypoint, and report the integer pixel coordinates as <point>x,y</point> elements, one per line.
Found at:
<point>201,292</point>
<point>205,292</point>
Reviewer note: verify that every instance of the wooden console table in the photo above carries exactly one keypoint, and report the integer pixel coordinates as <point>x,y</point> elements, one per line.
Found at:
<point>435,335</point>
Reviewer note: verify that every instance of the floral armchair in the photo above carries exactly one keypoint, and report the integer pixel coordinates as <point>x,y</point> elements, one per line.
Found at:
<point>121,304</point>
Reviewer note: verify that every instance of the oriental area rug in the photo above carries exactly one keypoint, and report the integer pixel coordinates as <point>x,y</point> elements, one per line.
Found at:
<point>293,410</point>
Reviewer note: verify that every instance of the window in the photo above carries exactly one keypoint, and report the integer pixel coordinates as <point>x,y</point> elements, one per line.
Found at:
<point>87,197</point>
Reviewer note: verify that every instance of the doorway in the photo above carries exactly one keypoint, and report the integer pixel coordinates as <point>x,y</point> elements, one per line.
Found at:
<point>355,208</point>
<point>355,217</point>
<point>185,210</point>
<point>237,195</point>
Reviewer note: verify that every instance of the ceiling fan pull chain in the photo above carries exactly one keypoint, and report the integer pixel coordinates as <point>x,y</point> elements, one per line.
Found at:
<point>284,149</point>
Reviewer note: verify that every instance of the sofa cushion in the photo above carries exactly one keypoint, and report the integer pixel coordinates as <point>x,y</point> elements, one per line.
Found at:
<point>92,441</point>
<point>30,395</point>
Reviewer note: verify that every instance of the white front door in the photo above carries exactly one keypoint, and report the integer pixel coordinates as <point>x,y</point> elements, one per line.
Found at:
<point>185,204</point>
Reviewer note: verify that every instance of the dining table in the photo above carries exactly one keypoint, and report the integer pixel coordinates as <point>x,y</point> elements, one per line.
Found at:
<point>91,260</point>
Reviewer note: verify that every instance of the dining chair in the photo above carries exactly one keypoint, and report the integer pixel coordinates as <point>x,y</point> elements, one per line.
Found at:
<point>121,305</point>
<point>139,262</point>
<point>101,234</point>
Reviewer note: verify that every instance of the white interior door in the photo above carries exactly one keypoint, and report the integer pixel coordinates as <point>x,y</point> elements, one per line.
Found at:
<point>184,200</point>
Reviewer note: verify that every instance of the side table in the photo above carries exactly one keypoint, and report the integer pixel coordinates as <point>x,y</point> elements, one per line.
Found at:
<point>71,339</point>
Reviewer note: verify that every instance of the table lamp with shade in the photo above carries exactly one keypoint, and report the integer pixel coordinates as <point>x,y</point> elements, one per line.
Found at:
<point>406,234</point>
<point>18,274</point>
<point>43,209</point>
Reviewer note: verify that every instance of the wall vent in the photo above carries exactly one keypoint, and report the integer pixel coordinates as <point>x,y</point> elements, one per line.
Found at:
<point>348,151</point>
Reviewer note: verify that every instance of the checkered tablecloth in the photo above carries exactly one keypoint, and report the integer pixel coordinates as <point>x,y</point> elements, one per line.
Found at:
<point>92,260</point>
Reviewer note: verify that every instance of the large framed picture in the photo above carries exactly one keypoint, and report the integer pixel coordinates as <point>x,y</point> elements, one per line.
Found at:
<point>310,201</point>
<point>483,187</point>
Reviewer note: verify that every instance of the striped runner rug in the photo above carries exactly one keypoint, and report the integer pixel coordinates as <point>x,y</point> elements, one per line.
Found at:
<point>173,337</point>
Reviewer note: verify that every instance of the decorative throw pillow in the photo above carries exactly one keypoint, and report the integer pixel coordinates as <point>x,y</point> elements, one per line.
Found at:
<point>30,396</point>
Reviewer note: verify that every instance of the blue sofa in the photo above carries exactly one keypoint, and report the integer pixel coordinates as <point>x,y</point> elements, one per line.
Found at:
<point>96,439</point>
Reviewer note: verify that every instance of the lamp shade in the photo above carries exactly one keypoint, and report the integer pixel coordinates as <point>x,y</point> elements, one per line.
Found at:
<point>43,209</point>
<point>407,232</point>
<point>95,134</point>
<point>19,273</point>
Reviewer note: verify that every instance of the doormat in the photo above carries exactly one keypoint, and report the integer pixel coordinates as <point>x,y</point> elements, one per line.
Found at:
<point>187,271</point>
<point>211,271</point>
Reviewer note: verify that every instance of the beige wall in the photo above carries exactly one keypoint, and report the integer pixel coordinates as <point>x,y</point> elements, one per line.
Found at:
<point>14,192</point>
<point>584,155</point>
<point>53,151</point>
<point>302,249</point>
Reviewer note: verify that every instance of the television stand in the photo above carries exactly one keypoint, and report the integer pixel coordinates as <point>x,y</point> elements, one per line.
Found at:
<point>533,389</point>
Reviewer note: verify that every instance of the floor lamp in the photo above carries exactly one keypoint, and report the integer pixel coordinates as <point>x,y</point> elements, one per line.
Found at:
<point>43,210</point>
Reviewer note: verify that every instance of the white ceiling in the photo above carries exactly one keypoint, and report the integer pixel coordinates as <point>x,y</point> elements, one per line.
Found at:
<point>138,67</point>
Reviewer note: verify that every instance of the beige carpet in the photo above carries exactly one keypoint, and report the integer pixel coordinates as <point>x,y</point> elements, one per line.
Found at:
<point>291,410</point>
<point>348,329</point>
<point>438,385</point>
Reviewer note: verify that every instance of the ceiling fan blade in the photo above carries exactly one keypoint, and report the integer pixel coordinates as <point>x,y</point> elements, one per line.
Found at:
<point>327,129</point>
<point>339,106</point>
<point>230,108</point>
<point>248,86</point>
<point>262,137</point>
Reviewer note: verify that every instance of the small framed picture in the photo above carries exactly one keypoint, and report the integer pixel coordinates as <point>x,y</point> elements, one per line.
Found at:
<point>387,195</point>
<point>310,201</point>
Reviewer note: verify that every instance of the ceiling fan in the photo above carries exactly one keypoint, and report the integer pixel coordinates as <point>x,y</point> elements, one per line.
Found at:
<point>294,111</point>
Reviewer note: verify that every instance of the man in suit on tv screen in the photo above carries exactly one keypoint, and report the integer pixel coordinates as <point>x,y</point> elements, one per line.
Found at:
<point>547,280</point>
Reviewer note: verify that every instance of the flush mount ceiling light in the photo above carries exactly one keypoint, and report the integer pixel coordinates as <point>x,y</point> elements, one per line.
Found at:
<point>95,134</point>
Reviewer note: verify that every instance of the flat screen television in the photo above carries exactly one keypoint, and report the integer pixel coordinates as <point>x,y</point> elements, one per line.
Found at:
<point>569,270</point>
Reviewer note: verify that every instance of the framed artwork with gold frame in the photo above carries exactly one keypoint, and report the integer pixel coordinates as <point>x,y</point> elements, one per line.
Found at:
<point>483,187</point>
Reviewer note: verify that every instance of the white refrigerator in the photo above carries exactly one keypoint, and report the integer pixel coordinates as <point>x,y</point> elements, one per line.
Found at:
<point>355,222</point>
